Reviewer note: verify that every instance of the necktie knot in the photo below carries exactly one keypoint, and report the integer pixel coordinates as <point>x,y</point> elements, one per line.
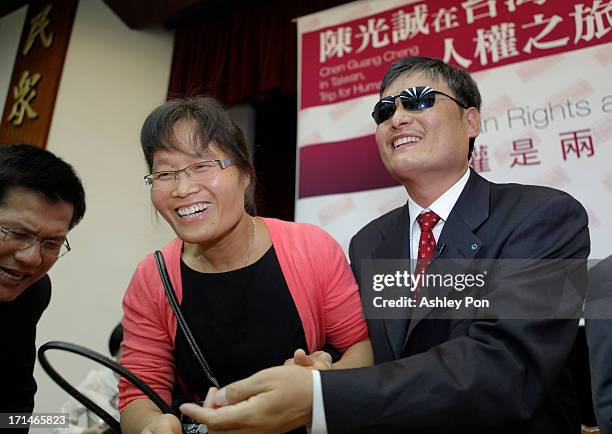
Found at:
<point>427,244</point>
<point>428,220</point>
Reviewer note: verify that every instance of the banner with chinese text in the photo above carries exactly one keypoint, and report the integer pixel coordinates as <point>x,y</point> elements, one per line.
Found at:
<point>543,69</point>
<point>28,109</point>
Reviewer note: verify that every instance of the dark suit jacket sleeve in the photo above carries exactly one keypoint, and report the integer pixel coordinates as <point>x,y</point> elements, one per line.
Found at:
<point>599,336</point>
<point>497,372</point>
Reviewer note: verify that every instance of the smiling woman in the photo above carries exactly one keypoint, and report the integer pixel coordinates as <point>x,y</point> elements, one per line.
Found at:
<point>253,290</point>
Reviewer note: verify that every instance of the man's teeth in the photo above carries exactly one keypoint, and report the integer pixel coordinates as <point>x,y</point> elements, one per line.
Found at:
<point>189,210</point>
<point>12,276</point>
<point>404,140</point>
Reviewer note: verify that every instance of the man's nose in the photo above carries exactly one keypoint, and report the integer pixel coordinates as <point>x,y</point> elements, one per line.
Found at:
<point>401,116</point>
<point>31,256</point>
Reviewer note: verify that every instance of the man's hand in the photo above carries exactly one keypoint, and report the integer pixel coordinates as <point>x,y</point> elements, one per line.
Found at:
<point>272,401</point>
<point>319,360</point>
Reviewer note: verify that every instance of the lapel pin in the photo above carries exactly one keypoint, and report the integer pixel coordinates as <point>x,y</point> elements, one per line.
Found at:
<point>473,247</point>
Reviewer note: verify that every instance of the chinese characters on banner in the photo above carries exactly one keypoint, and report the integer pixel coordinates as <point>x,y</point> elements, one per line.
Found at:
<point>543,68</point>
<point>36,75</point>
<point>579,143</point>
<point>474,34</point>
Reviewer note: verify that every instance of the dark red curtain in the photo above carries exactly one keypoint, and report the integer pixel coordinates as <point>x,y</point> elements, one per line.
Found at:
<point>240,51</point>
<point>246,52</point>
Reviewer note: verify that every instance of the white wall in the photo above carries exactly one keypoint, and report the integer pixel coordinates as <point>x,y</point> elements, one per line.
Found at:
<point>112,78</point>
<point>10,32</point>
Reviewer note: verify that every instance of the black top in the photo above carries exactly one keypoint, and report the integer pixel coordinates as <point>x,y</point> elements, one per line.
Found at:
<point>244,321</point>
<point>18,319</point>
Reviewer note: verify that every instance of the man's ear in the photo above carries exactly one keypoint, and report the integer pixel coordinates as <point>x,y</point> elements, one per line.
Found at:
<point>472,118</point>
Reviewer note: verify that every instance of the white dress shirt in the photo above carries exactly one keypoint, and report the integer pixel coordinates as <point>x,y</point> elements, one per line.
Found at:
<point>442,206</point>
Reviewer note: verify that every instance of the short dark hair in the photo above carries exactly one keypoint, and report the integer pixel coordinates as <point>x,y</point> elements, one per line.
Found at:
<point>116,337</point>
<point>460,82</point>
<point>212,125</point>
<point>41,171</point>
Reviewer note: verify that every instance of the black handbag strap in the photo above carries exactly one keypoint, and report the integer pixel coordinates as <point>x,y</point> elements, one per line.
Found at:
<point>180,319</point>
<point>105,361</point>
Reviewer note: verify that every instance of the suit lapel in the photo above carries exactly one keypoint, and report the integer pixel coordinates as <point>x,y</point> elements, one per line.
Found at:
<point>458,236</point>
<point>395,244</point>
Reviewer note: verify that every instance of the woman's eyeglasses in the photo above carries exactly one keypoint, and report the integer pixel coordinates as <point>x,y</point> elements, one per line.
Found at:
<point>415,98</point>
<point>202,171</point>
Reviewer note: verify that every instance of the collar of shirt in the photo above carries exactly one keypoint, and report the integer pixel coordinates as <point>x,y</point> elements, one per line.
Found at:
<point>441,206</point>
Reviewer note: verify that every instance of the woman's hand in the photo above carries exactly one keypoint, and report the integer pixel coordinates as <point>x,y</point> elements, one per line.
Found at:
<point>95,429</point>
<point>142,416</point>
<point>319,360</point>
<point>163,424</point>
<point>356,356</point>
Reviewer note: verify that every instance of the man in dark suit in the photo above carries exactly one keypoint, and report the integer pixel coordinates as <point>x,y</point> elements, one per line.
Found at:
<point>598,313</point>
<point>504,372</point>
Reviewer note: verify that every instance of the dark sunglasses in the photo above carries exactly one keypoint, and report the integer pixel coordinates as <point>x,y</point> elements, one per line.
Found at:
<point>415,98</point>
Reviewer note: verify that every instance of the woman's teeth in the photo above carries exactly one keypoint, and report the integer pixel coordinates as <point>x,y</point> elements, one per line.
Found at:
<point>193,209</point>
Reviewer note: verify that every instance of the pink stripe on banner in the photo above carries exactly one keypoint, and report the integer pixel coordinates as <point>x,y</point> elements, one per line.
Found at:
<point>342,167</point>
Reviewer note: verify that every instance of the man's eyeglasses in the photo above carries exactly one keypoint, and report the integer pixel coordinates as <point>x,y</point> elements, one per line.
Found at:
<point>415,98</point>
<point>22,240</point>
<point>202,171</point>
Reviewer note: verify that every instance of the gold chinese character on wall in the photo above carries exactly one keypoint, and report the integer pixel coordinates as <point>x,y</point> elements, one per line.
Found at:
<point>38,28</point>
<point>23,94</point>
<point>39,61</point>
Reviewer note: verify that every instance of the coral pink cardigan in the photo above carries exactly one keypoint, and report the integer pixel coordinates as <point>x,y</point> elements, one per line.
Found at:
<point>317,274</point>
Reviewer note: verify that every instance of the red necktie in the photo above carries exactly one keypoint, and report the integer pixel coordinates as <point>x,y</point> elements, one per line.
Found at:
<point>427,244</point>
